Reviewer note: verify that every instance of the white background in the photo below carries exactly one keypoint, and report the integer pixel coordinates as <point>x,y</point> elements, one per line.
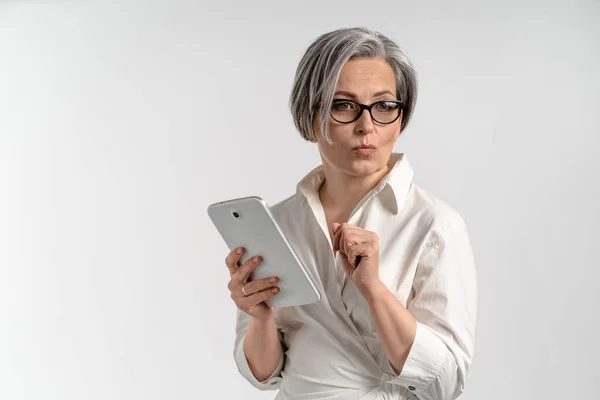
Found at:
<point>120,122</point>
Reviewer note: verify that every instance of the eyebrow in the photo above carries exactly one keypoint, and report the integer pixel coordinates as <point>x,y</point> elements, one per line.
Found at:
<point>344,93</point>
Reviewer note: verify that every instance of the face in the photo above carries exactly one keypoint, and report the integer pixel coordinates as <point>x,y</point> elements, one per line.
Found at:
<point>364,81</point>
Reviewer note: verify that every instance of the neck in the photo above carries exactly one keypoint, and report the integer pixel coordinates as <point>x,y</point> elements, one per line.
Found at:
<point>341,192</point>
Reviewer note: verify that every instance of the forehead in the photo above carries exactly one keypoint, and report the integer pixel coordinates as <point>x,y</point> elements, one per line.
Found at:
<point>369,74</point>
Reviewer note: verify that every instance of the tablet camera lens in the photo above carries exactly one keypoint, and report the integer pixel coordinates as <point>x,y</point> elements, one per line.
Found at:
<point>235,214</point>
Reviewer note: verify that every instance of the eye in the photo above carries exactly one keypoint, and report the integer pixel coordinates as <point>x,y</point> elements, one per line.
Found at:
<point>387,106</point>
<point>344,106</point>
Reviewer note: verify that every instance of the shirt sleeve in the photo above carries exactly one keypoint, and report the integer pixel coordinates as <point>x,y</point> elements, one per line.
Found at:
<point>445,307</point>
<point>272,382</point>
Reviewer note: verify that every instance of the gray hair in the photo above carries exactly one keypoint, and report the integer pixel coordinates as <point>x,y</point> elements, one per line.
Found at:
<point>319,69</point>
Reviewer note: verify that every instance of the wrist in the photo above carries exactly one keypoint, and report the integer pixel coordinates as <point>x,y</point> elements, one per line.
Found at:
<point>263,322</point>
<point>374,291</point>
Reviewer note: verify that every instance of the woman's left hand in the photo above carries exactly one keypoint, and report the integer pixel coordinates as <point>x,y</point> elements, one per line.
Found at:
<point>358,247</point>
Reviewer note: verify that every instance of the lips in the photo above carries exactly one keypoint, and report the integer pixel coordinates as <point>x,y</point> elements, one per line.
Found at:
<point>365,146</point>
<point>365,150</point>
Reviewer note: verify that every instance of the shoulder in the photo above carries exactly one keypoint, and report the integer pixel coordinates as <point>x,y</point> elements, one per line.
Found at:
<point>433,214</point>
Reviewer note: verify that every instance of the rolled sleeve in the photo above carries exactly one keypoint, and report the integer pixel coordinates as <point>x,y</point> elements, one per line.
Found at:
<point>444,306</point>
<point>427,361</point>
<point>273,381</point>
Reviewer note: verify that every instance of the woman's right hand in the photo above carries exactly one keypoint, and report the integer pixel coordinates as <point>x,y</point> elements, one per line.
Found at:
<point>249,296</point>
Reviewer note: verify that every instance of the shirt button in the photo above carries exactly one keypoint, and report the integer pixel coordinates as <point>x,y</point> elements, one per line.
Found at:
<point>411,388</point>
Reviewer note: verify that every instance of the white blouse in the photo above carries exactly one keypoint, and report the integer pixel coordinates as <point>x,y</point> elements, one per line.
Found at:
<point>331,348</point>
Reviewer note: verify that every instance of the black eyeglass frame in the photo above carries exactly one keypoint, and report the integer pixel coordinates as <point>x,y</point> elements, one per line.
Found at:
<point>368,108</point>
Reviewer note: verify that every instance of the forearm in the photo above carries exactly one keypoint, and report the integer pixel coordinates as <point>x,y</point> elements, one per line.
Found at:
<point>262,347</point>
<point>395,325</point>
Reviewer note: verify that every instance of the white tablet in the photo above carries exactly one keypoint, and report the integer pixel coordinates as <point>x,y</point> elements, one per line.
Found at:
<point>247,222</point>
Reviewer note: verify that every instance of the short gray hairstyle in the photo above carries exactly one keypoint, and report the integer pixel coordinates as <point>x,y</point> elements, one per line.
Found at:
<point>319,69</point>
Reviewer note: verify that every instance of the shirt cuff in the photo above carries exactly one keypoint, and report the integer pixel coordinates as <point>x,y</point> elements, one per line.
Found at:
<point>424,363</point>
<point>271,383</point>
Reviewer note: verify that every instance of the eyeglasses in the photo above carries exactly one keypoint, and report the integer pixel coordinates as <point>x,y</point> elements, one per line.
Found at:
<point>384,112</point>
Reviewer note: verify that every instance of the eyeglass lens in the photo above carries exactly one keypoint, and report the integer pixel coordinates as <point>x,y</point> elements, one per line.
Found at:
<point>383,112</point>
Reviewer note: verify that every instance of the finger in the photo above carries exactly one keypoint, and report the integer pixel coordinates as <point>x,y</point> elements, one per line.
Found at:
<point>348,268</point>
<point>259,297</point>
<point>374,237</point>
<point>353,236</point>
<point>233,258</point>
<point>259,285</point>
<point>345,236</point>
<point>335,226</point>
<point>243,272</point>
<point>337,232</point>
<point>356,252</point>
<point>348,238</point>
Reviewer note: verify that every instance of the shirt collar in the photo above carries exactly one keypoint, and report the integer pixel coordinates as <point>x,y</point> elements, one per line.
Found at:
<point>397,182</point>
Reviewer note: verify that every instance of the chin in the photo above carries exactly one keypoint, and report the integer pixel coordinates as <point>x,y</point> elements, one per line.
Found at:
<point>364,166</point>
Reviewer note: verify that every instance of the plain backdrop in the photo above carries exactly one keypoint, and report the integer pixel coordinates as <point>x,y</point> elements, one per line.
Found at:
<point>120,122</point>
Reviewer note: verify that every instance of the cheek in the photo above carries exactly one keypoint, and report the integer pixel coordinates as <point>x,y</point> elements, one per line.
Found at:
<point>389,135</point>
<point>340,142</point>
<point>337,137</point>
<point>341,133</point>
<point>394,133</point>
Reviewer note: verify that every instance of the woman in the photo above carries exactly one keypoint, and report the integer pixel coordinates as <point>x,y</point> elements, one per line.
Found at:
<point>394,263</point>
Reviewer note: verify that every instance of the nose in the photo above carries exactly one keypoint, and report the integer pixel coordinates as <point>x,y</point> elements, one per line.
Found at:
<point>364,124</point>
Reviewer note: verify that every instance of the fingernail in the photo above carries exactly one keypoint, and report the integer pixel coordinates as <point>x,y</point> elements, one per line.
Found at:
<point>256,259</point>
<point>272,280</point>
<point>275,290</point>
<point>238,251</point>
